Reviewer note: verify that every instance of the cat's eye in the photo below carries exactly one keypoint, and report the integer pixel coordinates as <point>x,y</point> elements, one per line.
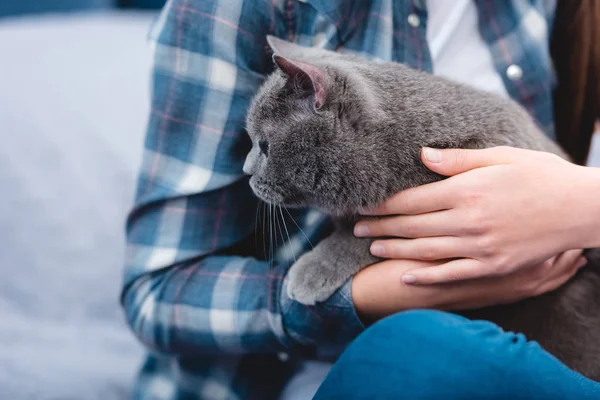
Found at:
<point>263,145</point>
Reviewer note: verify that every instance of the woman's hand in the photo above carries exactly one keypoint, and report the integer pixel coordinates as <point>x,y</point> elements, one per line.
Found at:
<point>502,209</point>
<point>378,291</point>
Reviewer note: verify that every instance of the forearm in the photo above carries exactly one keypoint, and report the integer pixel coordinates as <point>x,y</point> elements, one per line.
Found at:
<point>231,305</point>
<point>215,305</point>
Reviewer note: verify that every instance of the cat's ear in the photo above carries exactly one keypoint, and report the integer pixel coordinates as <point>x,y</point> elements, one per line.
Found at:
<point>301,76</point>
<point>286,49</point>
<point>304,77</point>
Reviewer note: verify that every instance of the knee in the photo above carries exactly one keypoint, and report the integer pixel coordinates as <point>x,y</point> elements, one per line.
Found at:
<point>408,351</point>
<point>405,353</point>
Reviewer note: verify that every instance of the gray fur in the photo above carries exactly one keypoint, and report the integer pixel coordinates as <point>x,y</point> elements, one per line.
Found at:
<point>362,144</point>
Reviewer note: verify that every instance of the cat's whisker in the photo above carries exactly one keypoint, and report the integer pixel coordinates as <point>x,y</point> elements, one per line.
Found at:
<point>288,234</point>
<point>256,226</point>
<point>278,225</point>
<point>267,233</point>
<point>298,226</point>
<point>264,225</point>
<point>273,231</point>
<point>272,237</point>
<point>270,232</point>
<point>275,208</point>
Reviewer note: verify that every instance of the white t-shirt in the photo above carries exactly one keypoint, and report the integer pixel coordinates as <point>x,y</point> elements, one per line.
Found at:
<point>457,49</point>
<point>459,53</point>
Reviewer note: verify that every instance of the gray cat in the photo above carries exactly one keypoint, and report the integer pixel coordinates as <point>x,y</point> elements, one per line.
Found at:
<point>339,133</point>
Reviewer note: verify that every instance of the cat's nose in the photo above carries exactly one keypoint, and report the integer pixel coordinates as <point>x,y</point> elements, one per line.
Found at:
<point>249,167</point>
<point>246,168</point>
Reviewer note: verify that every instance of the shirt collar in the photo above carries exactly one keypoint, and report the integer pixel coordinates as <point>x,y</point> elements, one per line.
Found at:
<point>337,10</point>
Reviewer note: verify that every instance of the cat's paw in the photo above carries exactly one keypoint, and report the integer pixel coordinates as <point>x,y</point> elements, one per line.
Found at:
<point>308,280</point>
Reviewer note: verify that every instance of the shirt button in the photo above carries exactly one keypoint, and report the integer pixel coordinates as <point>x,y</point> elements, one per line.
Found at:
<point>283,357</point>
<point>514,72</point>
<point>414,20</point>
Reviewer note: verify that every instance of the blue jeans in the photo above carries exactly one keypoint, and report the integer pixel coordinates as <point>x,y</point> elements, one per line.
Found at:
<point>436,355</point>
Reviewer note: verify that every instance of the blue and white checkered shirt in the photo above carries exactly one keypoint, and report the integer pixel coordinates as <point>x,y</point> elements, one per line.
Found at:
<point>198,289</point>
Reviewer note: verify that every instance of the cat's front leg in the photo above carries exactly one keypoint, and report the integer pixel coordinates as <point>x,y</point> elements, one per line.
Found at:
<point>319,273</point>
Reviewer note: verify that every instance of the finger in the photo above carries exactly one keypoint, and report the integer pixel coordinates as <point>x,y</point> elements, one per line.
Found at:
<point>540,278</point>
<point>503,289</point>
<point>425,249</point>
<point>565,260</point>
<point>528,282</point>
<point>558,281</point>
<point>450,162</point>
<point>426,198</point>
<point>441,223</point>
<point>552,268</point>
<point>453,271</point>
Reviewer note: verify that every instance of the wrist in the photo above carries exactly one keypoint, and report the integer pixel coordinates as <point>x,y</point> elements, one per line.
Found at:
<point>361,302</point>
<point>378,291</point>
<point>370,300</point>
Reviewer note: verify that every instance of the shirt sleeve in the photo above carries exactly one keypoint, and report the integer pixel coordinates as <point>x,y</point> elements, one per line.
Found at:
<point>189,287</point>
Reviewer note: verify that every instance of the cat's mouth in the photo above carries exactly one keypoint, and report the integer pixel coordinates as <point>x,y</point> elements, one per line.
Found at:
<point>265,191</point>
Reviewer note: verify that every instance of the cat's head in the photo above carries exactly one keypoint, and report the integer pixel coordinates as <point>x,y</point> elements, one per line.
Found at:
<point>306,124</point>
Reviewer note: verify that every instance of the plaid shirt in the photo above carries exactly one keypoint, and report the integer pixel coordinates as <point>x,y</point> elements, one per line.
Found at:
<point>199,290</point>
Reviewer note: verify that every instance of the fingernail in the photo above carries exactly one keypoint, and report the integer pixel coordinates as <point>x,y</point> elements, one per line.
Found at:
<point>378,250</point>
<point>361,230</point>
<point>409,279</point>
<point>432,155</point>
<point>582,262</point>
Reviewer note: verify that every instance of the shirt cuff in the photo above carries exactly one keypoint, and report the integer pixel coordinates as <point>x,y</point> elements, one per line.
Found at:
<point>333,322</point>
